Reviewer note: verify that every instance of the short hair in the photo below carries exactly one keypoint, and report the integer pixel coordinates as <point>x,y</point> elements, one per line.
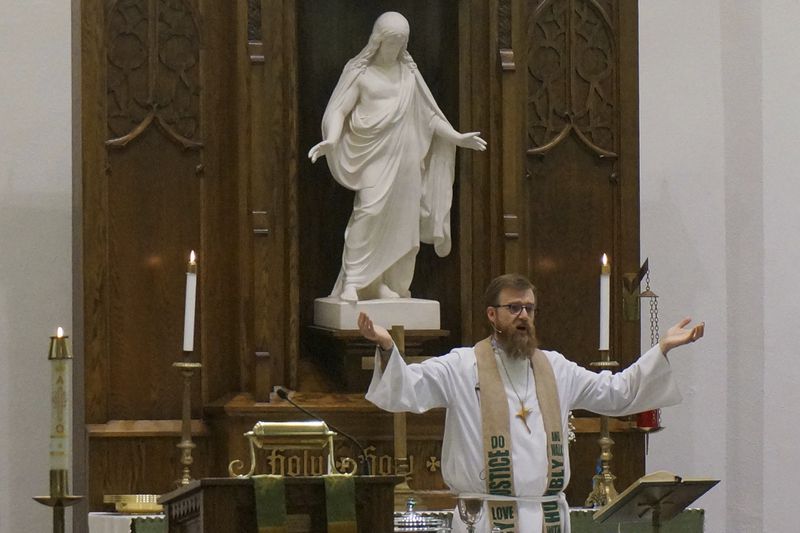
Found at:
<point>516,282</point>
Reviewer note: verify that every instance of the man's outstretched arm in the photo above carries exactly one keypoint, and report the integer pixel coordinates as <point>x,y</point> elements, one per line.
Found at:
<point>377,334</point>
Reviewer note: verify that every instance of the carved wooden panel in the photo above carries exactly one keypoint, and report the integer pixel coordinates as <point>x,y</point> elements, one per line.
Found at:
<point>572,70</point>
<point>157,182</point>
<point>154,218</point>
<point>254,32</point>
<point>152,203</point>
<point>574,122</point>
<point>504,40</point>
<point>594,96</point>
<point>153,70</point>
<point>580,188</point>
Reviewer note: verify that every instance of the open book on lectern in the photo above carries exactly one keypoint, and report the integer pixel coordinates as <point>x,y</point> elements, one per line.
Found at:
<point>661,493</point>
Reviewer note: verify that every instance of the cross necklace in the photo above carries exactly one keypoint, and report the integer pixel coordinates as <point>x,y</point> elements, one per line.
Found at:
<point>523,412</point>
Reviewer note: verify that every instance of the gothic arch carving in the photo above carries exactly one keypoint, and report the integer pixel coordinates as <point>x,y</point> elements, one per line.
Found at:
<point>572,64</point>
<point>153,71</point>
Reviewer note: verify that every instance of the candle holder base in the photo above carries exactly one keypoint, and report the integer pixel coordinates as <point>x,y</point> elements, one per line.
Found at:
<point>603,490</point>
<point>186,445</point>
<point>58,503</point>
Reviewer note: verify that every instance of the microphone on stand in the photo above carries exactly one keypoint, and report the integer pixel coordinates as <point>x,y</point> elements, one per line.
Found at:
<point>283,395</point>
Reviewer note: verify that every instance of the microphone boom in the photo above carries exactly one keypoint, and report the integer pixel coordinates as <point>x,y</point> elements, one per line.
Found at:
<point>283,395</point>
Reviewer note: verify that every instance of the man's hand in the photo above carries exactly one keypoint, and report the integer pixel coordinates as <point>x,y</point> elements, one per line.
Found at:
<point>678,335</point>
<point>373,332</point>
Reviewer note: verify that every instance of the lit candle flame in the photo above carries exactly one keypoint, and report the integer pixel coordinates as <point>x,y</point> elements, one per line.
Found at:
<point>605,260</point>
<point>60,332</point>
<point>192,258</point>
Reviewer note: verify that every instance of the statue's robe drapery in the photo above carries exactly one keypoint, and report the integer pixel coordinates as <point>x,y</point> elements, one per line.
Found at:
<point>402,173</point>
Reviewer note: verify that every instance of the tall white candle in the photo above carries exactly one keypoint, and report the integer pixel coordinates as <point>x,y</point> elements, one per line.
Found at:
<point>60,401</point>
<point>605,303</point>
<point>191,299</point>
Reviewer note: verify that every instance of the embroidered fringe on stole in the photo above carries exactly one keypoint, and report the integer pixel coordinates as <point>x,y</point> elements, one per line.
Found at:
<point>497,439</point>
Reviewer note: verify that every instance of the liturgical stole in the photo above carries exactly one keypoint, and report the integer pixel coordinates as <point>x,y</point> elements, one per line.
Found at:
<point>497,440</point>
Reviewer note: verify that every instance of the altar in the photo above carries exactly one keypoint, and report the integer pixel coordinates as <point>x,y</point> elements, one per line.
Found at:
<point>228,504</point>
<point>689,521</point>
<point>127,523</point>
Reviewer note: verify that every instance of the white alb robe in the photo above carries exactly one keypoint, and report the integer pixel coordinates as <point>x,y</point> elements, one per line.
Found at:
<point>451,381</point>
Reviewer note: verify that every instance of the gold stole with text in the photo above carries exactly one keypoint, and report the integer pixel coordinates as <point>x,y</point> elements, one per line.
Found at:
<point>497,438</point>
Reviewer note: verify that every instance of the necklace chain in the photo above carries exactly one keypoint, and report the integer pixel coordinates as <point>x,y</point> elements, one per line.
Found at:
<point>524,412</point>
<point>527,374</point>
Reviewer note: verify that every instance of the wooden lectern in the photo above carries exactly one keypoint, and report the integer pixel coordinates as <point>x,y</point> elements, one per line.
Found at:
<point>213,505</point>
<point>654,498</point>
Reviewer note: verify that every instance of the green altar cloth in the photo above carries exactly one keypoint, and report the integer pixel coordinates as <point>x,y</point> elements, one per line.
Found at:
<point>149,525</point>
<point>270,498</point>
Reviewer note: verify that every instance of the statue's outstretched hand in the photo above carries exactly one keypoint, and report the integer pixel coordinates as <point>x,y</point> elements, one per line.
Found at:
<point>472,140</point>
<point>678,335</point>
<point>374,332</point>
<point>320,149</point>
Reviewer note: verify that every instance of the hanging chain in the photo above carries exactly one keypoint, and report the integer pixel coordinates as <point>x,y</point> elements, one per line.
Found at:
<point>653,313</point>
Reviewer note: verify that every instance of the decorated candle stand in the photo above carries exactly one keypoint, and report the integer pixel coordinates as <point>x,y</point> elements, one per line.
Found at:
<point>60,434</point>
<point>188,369</point>
<point>603,490</point>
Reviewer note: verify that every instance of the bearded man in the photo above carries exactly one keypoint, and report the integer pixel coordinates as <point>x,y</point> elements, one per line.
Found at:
<point>508,405</point>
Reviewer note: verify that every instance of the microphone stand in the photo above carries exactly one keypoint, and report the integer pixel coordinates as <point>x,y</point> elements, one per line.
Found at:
<point>283,395</point>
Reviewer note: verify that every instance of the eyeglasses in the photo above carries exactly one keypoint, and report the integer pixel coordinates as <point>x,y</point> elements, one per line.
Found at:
<point>516,309</point>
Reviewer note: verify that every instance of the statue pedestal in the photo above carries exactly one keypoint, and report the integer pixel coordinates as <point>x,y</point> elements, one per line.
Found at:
<point>336,343</point>
<point>411,313</point>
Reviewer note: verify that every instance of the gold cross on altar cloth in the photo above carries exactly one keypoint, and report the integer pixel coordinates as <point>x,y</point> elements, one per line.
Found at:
<point>523,414</point>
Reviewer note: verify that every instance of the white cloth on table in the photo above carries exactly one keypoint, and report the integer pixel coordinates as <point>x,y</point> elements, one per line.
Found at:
<point>115,522</point>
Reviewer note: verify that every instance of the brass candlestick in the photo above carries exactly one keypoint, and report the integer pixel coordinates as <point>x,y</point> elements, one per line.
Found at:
<point>60,358</point>
<point>186,445</point>
<point>603,491</point>
<point>59,498</point>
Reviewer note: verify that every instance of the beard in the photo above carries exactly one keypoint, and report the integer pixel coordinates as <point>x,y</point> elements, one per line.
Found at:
<point>518,342</point>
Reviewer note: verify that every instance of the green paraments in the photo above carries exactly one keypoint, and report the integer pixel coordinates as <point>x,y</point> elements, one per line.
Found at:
<point>340,502</point>
<point>270,494</point>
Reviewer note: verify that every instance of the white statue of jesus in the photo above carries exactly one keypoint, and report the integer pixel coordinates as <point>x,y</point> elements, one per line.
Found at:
<point>385,138</point>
